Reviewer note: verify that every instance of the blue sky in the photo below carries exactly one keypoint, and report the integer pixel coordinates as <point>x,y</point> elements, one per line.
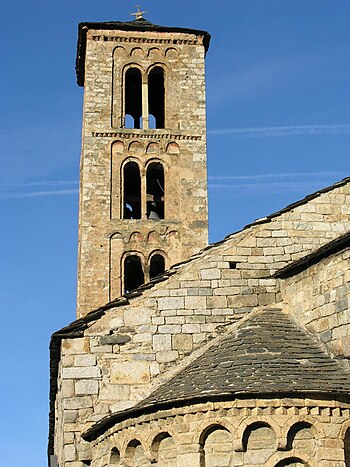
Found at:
<point>278,101</point>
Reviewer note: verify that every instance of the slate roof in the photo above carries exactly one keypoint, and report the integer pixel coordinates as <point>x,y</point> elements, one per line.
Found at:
<point>268,354</point>
<point>76,328</point>
<point>135,25</point>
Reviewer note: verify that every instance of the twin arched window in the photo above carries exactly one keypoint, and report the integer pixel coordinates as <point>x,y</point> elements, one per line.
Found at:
<point>134,274</point>
<point>144,111</point>
<point>132,191</point>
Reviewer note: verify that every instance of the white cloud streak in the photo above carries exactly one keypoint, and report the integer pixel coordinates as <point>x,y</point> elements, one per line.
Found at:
<point>48,183</point>
<point>281,131</point>
<point>20,190</point>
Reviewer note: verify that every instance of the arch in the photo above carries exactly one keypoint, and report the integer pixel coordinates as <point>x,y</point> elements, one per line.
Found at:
<point>114,458</point>
<point>117,147</point>
<point>251,436</point>
<point>118,50</point>
<point>116,235</point>
<point>135,453</point>
<point>135,147</point>
<point>156,95</point>
<point>173,148</point>
<point>347,447</point>
<point>216,446</point>
<point>136,237</point>
<point>292,462</point>
<point>301,435</point>
<point>133,97</point>
<point>153,148</point>
<point>156,265</point>
<point>137,52</point>
<point>164,450</point>
<point>131,191</point>
<point>154,52</point>
<point>133,271</point>
<point>153,237</point>
<point>171,52</point>
<point>155,190</point>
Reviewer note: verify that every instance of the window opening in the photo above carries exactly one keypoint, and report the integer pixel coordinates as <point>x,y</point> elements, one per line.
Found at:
<point>132,191</point>
<point>157,265</point>
<point>152,124</point>
<point>133,273</point>
<point>133,98</point>
<point>156,96</point>
<point>155,191</point>
<point>232,264</point>
<point>115,457</point>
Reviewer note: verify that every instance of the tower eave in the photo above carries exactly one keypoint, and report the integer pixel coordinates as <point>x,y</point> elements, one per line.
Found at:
<point>136,25</point>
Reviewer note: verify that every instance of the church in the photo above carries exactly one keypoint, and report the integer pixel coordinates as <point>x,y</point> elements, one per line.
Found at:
<point>185,354</point>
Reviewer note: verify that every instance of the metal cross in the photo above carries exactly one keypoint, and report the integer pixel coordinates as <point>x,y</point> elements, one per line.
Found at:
<point>139,14</point>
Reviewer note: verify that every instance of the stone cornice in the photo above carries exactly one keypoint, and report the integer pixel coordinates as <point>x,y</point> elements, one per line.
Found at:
<point>129,134</point>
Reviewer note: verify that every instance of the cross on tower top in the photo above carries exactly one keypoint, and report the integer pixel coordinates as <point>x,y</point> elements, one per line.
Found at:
<point>139,14</point>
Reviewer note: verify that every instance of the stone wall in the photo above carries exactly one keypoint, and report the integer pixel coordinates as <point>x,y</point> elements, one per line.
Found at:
<point>104,237</point>
<point>319,298</point>
<point>254,432</point>
<point>135,347</point>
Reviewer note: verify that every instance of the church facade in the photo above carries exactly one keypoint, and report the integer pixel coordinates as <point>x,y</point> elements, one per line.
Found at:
<point>183,354</point>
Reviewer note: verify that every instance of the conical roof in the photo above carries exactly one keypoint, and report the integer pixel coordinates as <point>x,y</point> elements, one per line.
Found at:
<point>269,353</point>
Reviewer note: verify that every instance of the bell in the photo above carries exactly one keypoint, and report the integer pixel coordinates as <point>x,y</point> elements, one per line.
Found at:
<point>153,212</point>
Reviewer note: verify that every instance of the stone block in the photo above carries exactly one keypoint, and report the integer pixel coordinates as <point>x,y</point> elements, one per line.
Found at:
<point>69,452</point>
<point>171,303</point>
<point>182,342</point>
<point>76,346</point>
<point>195,302</point>
<point>167,357</point>
<point>162,342</point>
<point>130,373</point>
<point>213,273</point>
<point>84,387</point>
<point>85,360</point>
<point>136,316</point>
<point>114,392</point>
<point>81,372</point>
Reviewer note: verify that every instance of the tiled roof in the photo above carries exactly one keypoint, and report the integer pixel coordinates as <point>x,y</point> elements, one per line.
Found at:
<point>135,25</point>
<point>268,354</point>
<point>77,327</point>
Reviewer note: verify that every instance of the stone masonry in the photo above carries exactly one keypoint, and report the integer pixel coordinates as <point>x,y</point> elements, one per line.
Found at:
<point>238,353</point>
<point>105,52</point>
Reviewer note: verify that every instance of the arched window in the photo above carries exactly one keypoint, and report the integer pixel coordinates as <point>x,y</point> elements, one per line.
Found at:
<point>133,273</point>
<point>157,265</point>
<point>132,191</point>
<point>133,98</point>
<point>217,448</point>
<point>115,457</point>
<point>164,450</point>
<point>156,96</point>
<point>155,191</point>
<point>135,453</point>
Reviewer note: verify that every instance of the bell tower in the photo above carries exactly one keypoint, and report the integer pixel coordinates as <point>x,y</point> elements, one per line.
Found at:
<point>143,182</point>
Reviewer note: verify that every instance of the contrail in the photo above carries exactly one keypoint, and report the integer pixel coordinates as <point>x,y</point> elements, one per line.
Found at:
<point>276,131</point>
<point>36,194</point>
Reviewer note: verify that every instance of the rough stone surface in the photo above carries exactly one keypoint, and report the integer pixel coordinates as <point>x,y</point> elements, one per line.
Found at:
<point>204,327</point>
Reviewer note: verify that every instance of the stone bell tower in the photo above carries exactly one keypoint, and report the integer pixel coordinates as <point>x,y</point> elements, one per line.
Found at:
<point>143,185</point>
